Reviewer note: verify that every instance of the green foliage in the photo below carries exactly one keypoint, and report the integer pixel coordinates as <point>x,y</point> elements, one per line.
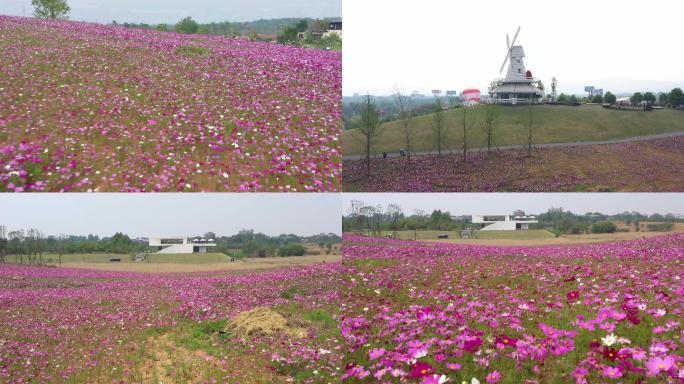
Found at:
<point>292,250</point>
<point>649,98</point>
<point>51,9</point>
<point>289,33</point>
<point>320,317</point>
<point>636,98</point>
<point>659,227</point>
<point>610,98</point>
<point>603,227</point>
<point>676,98</point>
<point>572,100</point>
<point>597,99</point>
<point>187,25</point>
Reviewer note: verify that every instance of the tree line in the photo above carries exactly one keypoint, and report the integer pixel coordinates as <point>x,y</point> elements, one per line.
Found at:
<point>32,244</point>
<point>365,218</point>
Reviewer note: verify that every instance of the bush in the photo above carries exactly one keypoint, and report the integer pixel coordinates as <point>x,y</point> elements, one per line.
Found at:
<point>603,227</point>
<point>292,250</point>
<point>659,227</point>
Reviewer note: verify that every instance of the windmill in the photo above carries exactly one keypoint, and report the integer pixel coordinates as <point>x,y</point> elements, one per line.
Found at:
<point>518,85</point>
<point>509,47</point>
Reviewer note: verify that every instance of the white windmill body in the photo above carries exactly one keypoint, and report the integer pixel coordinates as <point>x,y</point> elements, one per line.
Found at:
<point>518,86</point>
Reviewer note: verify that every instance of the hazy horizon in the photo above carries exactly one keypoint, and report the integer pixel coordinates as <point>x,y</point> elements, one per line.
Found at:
<point>441,44</point>
<point>532,203</point>
<point>171,11</point>
<point>186,214</point>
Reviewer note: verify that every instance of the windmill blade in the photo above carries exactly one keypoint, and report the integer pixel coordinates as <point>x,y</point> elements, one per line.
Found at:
<point>508,43</point>
<point>504,62</point>
<point>515,37</point>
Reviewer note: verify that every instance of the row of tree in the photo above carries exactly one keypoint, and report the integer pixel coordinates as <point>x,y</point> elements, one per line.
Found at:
<point>33,243</point>
<point>361,217</point>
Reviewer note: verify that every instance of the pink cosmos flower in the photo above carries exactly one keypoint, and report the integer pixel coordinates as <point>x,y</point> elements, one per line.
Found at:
<point>612,372</point>
<point>434,379</point>
<point>655,365</point>
<point>376,353</point>
<point>493,377</point>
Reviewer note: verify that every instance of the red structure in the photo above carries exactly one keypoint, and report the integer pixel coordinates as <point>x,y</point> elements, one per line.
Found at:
<point>471,95</point>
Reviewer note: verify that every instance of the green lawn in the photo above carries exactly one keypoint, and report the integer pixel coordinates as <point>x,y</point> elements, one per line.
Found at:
<point>432,235</point>
<point>195,258</point>
<point>555,124</point>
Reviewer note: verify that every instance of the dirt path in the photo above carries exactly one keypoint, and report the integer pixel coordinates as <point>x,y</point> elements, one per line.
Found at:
<point>538,146</point>
<point>250,264</point>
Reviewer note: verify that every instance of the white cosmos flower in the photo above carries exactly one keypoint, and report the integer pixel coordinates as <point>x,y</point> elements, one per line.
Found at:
<point>609,340</point>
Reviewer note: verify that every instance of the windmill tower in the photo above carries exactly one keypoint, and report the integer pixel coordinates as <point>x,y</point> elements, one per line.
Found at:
<point>518,86</point>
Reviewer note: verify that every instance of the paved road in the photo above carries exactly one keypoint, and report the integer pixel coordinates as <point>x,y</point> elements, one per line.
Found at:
<point>546,145</point>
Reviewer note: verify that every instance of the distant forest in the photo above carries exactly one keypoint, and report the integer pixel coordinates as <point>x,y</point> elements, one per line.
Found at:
<point>367,218</point>
<point>264,27</point>
<point>245,243</point>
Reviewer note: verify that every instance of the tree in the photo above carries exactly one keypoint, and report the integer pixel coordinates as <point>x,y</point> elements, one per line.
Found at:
<point>554,86</point>
<point>292,250</point>
<point>562,98</point>
<point>187,25</point>
<point>676,98</point>
<point>465,135</point>
<point>3,243</point>
<point>529,130</point>
<point>663,99</point>
<point>290,33</point>
<point>405,107</point>
<point>649,98</point>
<point>51,9</point>
<point>610,98</point>
<point>438,128</point>
<point>394,213</point>
<point>572,100</point>
<point>490,120</point>
<point>603,227</point>
<point>636,99</point>
<point>598,99</point>
<point>370,127</point>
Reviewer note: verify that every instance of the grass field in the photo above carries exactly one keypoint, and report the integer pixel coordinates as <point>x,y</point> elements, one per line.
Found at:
<point>455,235</point>
<point>240,265</point>
<point>556,124</point>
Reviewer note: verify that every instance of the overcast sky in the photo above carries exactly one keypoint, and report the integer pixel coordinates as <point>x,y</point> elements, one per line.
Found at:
<point>187,214</point>
<point>446,44</point>
<point>168,11</point>
<point>531,203</point>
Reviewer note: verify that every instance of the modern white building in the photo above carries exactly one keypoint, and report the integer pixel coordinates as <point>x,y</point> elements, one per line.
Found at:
<point>503,222</point>
<point>180,244</point>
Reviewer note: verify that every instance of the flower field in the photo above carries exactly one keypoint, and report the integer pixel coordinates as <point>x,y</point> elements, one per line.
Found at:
<point>435,313</point>
<point>647,166</point>
<point>76,326</point>
<point>87,107</point>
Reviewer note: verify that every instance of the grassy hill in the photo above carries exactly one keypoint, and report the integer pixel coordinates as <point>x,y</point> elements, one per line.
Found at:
<point>555,124</point>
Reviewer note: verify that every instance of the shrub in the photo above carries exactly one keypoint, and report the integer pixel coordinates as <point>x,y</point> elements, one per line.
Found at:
<point>603,227</point>
<point>659,227</point>
<point>292,250</point>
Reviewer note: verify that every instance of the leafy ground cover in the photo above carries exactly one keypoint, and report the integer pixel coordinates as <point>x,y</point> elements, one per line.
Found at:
<point>61,325</point>
<point>432,313</point>
<point>87,107</point>
<point>647,166</point>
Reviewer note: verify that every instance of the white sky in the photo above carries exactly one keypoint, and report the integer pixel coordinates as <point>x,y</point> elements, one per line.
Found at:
<point>170,11</point>
<point>447,44</point>
<point>184,214</point>
<point>531,203</point>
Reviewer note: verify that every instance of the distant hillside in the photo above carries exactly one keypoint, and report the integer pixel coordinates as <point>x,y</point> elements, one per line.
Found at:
<point>555,124</point>
<point>269,27</point>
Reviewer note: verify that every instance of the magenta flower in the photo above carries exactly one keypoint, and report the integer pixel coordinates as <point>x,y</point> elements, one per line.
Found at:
<point>376,353</point>
<point>493,377</point>
<point>612,372</point>
<point>655,365</point>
